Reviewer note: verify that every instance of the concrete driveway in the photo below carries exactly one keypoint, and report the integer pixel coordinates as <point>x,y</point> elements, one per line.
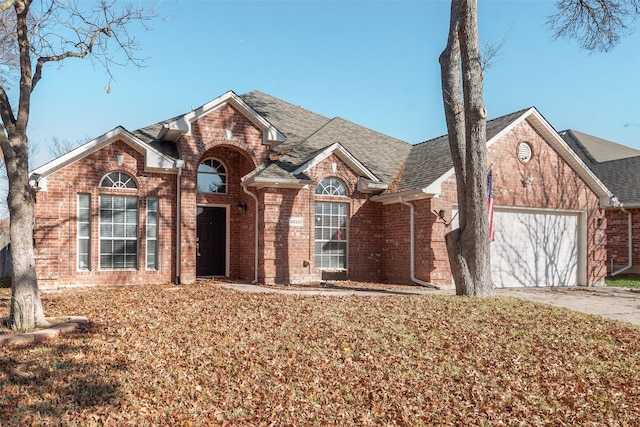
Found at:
<point>614,303</point>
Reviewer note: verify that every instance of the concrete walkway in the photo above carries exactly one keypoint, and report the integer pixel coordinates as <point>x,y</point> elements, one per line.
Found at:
<point>614,303</point>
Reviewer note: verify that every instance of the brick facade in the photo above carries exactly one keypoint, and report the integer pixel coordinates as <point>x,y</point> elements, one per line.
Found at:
<point>378,234</point>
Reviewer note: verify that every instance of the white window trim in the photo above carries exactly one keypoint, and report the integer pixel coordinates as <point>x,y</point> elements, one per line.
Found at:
<point>136,238</point>
<point>82,238</point>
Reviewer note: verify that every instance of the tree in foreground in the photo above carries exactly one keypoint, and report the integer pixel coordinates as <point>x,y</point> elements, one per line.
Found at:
<point>32,35</point>
<point>461,71</point>
<point>596,24</point>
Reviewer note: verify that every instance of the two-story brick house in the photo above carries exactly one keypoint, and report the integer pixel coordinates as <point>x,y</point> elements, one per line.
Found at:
<point>254,188</point>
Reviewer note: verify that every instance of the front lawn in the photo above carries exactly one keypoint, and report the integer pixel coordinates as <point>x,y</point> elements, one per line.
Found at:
<point>199,355</point>
<point>624,281</point>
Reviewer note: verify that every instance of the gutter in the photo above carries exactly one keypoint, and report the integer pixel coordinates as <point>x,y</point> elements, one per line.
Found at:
<point>630,243</point>
<point>412,247</point>
<point>179,165</point>
<point>254,197</point>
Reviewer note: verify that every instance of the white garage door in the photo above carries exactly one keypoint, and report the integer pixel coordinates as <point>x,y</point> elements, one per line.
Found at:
<point>535,248</point>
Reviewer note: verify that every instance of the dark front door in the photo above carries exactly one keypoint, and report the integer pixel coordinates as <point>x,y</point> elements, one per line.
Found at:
<point>211,241</point>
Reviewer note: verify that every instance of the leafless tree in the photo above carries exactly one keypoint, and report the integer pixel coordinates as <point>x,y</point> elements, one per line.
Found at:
<point>461,68</point>
<point>59,147</point>
<point>598,25</point>
<point>35,34</point>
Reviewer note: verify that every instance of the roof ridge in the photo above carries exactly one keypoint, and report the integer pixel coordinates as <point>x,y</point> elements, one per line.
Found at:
<point>255,91</point>
<point>517,113</point>
<point>369,129</point>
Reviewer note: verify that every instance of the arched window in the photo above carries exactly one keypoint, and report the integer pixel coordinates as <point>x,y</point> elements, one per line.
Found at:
<point>331,227</point>
<point>118,180</point>
<point>212,177</point>
<point>331,187</point>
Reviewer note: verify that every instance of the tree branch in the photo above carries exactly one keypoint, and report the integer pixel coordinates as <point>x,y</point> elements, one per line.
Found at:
<point>6,5</point>
<point>56,58</point>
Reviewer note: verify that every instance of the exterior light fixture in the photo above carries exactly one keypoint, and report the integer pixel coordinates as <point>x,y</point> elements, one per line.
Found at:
<point>241,208</point>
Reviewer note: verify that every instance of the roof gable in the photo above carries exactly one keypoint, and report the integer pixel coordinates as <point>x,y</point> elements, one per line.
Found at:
<point>343,154</point>
<point>155,160</point>
<point>375,156</point>
<point>181,125</point>
<point>422,181</point>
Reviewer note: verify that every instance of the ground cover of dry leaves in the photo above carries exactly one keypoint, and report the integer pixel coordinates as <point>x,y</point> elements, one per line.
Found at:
<point>200,355</point>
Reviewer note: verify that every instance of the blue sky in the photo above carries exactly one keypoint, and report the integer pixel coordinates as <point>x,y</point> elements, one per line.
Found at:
<point>374,63</point>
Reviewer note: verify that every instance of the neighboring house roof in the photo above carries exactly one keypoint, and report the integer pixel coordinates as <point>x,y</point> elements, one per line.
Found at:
<point>617,166</point>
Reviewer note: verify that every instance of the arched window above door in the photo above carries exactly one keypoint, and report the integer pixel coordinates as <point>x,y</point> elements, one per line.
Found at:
<point>212,177</point>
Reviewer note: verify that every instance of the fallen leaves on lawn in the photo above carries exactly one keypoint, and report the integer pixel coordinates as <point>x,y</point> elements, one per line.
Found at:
<point>200,355</point>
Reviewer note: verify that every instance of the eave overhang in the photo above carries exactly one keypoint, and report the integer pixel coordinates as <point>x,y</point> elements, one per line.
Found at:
<point>405,195</point>
<point>258,182</point>
<point>172,131</point>
<point>367,186</point>
<point>155,161</point>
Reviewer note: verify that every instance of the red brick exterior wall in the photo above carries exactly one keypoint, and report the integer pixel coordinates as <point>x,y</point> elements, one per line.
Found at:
<point>242,153</point>
<point>55,229</point>
<point>378,235</point>
<point>555,186</point>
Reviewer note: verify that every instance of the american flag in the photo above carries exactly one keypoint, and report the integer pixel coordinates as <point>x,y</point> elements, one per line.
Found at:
<point>490,203</point>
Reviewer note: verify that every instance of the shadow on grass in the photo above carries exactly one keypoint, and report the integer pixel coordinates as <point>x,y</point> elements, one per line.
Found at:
<point>54,376</point>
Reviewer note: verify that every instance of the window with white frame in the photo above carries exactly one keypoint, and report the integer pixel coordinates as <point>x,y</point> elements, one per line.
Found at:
<point>118,232</point>
<point>212,177</point>
<point>118,180</point>
<point>152,233</point>
<point>331,187</point>
<point>331,227</point>
<point>84,231</point>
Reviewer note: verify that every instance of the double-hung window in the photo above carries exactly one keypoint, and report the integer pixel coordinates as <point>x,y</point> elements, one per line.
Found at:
<point>118,232</point>
<point>331,227</point>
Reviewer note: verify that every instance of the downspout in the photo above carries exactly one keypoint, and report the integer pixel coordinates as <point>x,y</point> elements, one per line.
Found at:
<point>413,248</point>
<point>244,188</point>
<point>179,165</point>
<point>630,243</point>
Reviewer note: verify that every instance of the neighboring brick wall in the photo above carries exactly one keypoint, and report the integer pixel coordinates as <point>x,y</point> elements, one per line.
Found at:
<point>617,226</point>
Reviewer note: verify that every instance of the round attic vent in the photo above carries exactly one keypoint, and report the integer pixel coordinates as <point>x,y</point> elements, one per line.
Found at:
<point>524,152</point>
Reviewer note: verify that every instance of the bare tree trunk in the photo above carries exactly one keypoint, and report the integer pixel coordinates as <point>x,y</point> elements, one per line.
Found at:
<point>26,306</point>
<point>468,246</point>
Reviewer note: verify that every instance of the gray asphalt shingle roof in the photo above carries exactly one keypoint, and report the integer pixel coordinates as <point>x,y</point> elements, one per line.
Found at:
<point>431,159</point>
<point>309,133</point>
<point>617,166</point>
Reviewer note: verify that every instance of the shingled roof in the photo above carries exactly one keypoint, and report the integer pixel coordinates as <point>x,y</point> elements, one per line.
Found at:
<point>431,159</point>
<point>379,158</point>
<point>617,166</point>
